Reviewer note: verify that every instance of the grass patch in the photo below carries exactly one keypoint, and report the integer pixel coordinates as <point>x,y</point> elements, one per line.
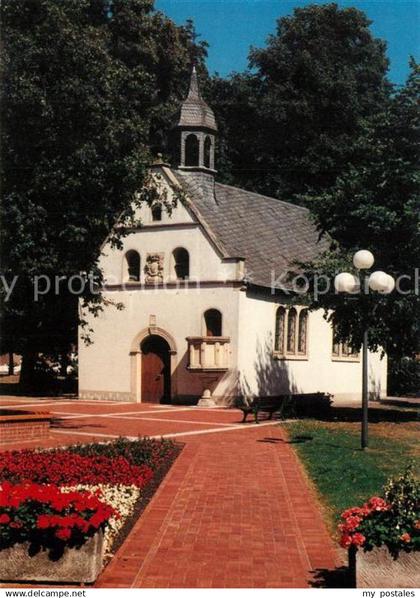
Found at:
<point>344,474</point>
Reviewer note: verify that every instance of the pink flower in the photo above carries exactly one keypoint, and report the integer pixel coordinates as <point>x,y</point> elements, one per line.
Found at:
<point>351,523</point>
<point>405,538</point>
<point>378,504</point>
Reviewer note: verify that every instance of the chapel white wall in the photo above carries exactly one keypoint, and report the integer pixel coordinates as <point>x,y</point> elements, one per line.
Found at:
<point>105,365</point>
<point>260,373</point>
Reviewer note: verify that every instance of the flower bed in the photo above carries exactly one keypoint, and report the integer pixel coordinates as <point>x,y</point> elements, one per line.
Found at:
<point>48,517</point>
<point>69,468</point>
<point>123,499</point>
<point>58,499</point>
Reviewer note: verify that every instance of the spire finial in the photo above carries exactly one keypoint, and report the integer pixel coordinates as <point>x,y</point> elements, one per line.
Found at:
<point>194,92</point>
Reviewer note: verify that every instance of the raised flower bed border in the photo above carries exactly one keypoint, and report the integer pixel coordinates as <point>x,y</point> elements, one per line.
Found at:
<point>94,551</point>
<point>76,565</point>
<point>20,425</point>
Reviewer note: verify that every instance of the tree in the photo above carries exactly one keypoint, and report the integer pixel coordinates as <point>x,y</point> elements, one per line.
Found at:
<point>376,206</point>
<point>289,125</point>
<point>87,86</point>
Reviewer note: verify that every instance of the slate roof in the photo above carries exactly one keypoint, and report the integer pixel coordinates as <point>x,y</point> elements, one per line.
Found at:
<point>194,111</point>
<point>270,234</point>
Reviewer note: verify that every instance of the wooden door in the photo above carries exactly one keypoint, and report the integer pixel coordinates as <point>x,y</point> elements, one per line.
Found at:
<point>152,378</point>
<point>155,370</point>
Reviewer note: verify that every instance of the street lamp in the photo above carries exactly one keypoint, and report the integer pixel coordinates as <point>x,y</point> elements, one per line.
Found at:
<point>349,283</point>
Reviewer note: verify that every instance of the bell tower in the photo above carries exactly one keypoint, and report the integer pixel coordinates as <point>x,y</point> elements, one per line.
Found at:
<point>195,132</point>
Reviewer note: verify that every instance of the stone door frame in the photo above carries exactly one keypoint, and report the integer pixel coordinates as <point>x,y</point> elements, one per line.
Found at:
<point>135,360</point>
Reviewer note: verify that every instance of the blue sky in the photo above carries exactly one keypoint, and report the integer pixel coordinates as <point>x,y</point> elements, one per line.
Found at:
<point>232,26</point>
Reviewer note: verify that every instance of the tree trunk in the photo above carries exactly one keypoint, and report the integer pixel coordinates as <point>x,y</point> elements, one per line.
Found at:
<point>64,364</point>
<point>11,363</point>
<point>27,372</point>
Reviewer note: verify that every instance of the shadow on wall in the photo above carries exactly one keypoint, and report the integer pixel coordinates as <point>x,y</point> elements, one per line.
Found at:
<point>269,376</point>
<point>375,386</point>
<point>197,382</point>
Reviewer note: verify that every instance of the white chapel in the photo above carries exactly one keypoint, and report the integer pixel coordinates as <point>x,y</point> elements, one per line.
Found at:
<point>204,318</point>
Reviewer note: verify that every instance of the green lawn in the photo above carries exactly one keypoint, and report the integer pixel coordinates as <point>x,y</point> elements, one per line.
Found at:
<point>344,474</point>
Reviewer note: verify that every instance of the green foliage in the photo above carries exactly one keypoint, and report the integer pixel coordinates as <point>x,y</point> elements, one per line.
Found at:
<point>316,122</point>
<point>375,205</point>
<point>88,87</point>
<point>403,376</point>
<point>290,125</point>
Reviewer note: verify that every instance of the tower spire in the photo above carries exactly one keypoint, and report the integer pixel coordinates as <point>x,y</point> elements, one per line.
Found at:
<point>194,91</point>
<point>195,130</point>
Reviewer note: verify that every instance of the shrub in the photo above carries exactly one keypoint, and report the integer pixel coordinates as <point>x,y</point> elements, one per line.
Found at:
<point>393,521</point>
<point>316,405</point>
<point>404,376</point>
<point>48,517</point>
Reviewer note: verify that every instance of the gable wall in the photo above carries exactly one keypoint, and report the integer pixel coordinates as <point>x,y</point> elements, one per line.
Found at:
<point>177,228</point>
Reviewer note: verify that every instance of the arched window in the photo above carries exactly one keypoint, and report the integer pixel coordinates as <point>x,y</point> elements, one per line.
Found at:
<point>181,260</point>
<point>302,332</point>
<point>191,150</point>
<point>156,212</point>
<point>132,265</point>
<point>291,330</point>
<point>207,152</point>
<point>279,330</point>
<point>213,322</point>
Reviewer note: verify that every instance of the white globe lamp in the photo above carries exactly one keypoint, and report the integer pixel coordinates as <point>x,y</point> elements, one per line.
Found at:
<point>388,286</point>
<point>378,281</point>
<point>363,259</point>
<point>346,283</point>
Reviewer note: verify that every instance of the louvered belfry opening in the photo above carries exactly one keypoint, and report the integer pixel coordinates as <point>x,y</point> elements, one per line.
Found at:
<point>194,132</point>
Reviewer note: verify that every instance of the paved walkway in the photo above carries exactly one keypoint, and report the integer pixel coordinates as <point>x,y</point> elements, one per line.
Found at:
<point>235,509</point>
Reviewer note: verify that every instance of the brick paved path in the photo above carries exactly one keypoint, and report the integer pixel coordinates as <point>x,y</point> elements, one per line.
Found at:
<point>234,511</point>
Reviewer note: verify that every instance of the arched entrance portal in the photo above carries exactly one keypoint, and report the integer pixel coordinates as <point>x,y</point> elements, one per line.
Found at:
<point>155,370</point>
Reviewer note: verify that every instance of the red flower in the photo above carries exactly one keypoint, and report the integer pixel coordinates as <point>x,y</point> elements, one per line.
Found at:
<point>350,524</point>
<point>345,541</point>
<point>65,467</point>
<point>405,537</point>
<point>358,539</point>
<point>63,534</point>
<point>43,521</point>
<point>47,507</point>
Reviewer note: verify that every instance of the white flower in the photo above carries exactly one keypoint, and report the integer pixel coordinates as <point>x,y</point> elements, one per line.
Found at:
<point>122,498</point>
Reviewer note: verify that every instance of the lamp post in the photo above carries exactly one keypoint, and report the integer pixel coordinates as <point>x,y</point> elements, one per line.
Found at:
<point>349,283</point>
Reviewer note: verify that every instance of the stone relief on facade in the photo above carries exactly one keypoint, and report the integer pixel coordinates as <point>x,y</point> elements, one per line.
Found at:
<point>154,267</point>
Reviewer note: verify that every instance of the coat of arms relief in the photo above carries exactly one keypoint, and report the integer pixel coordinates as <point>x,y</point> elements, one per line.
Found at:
<point>154,267</point>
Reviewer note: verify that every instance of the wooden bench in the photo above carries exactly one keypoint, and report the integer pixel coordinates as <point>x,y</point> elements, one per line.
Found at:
<point>270,405</point>
<point>298,405</point>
